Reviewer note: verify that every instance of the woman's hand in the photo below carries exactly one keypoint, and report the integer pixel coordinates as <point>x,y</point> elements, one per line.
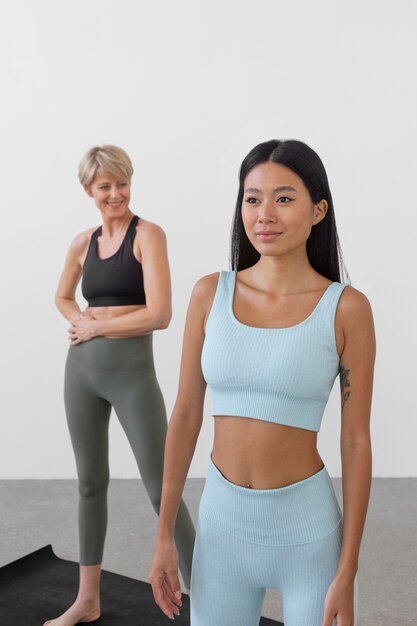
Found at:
<point>338,604</point>
<point>83,328</point>
<point>163,575</point>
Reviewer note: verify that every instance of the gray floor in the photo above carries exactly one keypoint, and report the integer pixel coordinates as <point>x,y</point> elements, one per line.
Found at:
<point>35,513</point>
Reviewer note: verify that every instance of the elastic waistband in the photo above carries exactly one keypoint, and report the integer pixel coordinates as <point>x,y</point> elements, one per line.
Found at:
<point>298,513</point>
<point>116,356</point>
<point>116,301</point>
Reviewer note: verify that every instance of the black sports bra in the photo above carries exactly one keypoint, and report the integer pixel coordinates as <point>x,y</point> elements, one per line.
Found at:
<point>117,280</point>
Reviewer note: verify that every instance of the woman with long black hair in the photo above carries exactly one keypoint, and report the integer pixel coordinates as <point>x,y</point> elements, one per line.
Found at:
<point>270,337</point>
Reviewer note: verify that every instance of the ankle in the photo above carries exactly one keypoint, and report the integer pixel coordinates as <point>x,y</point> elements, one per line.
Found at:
<point>88,600</point>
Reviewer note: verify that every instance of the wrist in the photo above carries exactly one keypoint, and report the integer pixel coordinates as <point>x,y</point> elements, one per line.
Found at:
<point>346,576</point>
<point>165,534</point>
<point>97,328</point>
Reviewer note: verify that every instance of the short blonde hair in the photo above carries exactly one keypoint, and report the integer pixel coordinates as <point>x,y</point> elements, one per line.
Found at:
<point>108,158</point>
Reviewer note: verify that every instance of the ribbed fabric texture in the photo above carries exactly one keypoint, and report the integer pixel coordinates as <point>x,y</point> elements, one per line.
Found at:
<point>282,375</point>
<point>303,511</point>
<point>249,540</point>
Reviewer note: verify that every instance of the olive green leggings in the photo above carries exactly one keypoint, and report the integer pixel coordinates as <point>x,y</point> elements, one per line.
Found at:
<point>100,374</point>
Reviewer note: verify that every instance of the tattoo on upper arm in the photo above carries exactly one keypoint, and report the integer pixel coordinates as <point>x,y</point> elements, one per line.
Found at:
<point>344,384</point>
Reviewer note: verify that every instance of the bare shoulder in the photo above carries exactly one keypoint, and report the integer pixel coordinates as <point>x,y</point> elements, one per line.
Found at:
<point>355,319</point>
<point>203,293</point>
<point>354,303</point>
<point>79,245</point>
<point>147,231</point>
<point>354,326</point>
<point>82,239</point>
<point>206,286</point>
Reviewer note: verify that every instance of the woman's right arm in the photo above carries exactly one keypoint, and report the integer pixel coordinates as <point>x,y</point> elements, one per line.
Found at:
<point>183,430</point>
<point>70,277</point>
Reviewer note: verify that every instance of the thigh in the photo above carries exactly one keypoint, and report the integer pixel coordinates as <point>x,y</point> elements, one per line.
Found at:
<point>140,407</point>
<point>307,571</point>
<point>88,415</point>
<point>224,591</point>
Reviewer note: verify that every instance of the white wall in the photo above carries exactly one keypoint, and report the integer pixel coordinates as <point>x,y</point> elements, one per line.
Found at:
<point>188,88</point>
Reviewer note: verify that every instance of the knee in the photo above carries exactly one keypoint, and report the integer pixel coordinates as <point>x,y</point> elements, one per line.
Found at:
<point>93,488</point>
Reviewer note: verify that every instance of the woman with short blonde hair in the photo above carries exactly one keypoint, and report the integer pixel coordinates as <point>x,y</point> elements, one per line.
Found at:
<point>125,276</point>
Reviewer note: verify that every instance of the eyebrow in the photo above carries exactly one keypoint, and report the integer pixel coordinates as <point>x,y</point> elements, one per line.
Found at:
<point>107,182</point>
<point>282,188</point>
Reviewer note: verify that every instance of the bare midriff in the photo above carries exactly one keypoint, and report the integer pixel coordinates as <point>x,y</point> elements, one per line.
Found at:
<point>267,456</point>
<point>109,312</point>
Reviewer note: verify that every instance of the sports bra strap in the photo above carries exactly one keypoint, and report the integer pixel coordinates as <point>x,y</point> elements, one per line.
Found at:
<point>220,300</point>
<point>282,374</point>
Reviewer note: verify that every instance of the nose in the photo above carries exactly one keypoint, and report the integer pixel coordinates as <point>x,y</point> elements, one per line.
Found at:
<point>266,211</point>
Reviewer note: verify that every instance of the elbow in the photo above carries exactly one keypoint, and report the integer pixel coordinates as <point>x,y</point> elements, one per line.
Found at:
<point>356,442</point>
<point>58,301</point>
<point>163,319</point>
<point>163,322</point>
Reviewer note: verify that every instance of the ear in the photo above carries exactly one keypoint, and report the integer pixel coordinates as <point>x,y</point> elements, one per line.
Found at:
<point>320,210</point>
<point>87,189</point>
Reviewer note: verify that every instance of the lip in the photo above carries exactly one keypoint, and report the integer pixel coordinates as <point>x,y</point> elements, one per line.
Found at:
<point>270,235</point>
<point>269,232</point>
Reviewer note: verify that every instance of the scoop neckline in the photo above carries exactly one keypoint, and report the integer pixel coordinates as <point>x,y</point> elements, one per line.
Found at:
<point>239,323</point>
<point>100,230</point>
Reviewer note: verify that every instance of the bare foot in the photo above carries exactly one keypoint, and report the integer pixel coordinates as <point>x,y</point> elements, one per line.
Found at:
<point>78,612</point>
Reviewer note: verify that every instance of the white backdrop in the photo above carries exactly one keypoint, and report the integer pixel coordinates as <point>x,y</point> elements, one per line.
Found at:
<point>188,88</point>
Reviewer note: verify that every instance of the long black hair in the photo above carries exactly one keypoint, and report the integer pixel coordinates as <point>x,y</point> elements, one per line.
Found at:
<point>323,246</point>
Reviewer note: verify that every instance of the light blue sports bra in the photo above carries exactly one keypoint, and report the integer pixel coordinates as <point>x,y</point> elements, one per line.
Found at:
<point>281,375</point>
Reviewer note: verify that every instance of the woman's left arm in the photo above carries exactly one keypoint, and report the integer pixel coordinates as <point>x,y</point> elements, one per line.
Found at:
<point>157,285</point>
<point>356,383</point>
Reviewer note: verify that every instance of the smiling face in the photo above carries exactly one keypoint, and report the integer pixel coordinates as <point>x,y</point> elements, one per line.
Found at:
<point>276,200</point>
<point>111,195</point>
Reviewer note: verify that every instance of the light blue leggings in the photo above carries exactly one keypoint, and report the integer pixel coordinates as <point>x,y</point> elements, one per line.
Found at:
<point>249,540</point>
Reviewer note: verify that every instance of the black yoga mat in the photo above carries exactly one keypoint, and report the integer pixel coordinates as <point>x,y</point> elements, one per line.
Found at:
<point>41,586</point>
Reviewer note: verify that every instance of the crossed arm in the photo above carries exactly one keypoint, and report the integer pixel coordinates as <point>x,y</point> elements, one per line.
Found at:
<point>157,285</point>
